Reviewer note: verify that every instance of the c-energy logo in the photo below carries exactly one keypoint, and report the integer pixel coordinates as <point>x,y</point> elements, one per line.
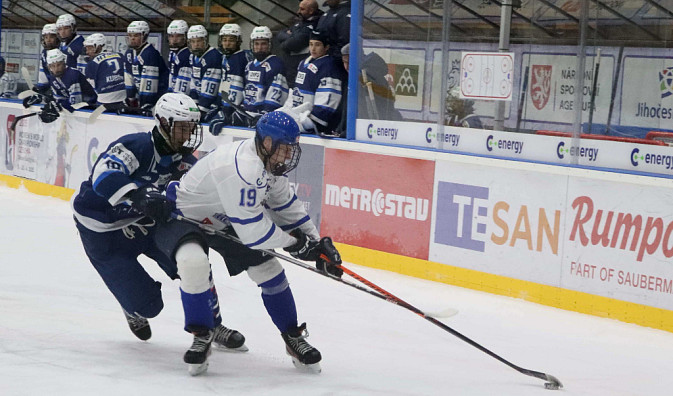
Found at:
<point>504,144</point>
<point>390,133</point>
<point>660,160</point>
<point>452,138</point>
<point>576,151</point>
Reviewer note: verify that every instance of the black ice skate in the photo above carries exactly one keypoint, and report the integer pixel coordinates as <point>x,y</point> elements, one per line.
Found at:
<point>139,326</point>
<point>229,340</point>
<point>197,356</point>
<point>304,356</point>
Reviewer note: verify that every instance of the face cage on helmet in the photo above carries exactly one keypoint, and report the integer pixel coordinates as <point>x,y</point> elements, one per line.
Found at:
<point>191,144</point>
<point>280,169</point>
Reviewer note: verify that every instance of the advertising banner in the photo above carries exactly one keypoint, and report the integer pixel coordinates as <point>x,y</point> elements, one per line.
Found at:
<point>500,221</point>
<point>378,202</point>
<point>550,93</point>
<point>647,101</point>
<point>619,241</point>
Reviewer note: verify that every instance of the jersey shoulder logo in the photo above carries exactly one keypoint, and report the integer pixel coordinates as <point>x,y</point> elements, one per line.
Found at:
<point>312,67</point>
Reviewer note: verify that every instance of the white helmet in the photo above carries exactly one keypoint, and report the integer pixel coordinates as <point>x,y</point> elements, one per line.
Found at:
<point>55,55</point>
<point>175,106</point>
<point>95,39</point>
<point>49,28</point>
<point>178,26</point>
<point>230,29</point>
<point>261,32</point>
<point>66,20</point>
<point>197,31</point>
<point>138,27</point>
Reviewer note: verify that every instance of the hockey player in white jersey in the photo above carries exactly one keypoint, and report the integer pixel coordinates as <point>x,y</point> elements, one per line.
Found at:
<point>318,86</point>
<point>72,44</point>
<point>180,71</point>
<point>265,84</point>
<point>7,82</point>
<point>206,62</point>
<point>145,71</point>
<point>243,188</point>
<point>105,72</point>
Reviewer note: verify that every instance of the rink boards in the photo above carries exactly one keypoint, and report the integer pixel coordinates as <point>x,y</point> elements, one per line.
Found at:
<point>578,239</point>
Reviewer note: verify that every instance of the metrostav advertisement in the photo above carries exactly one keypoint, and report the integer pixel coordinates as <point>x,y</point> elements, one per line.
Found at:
<point>378,202</point>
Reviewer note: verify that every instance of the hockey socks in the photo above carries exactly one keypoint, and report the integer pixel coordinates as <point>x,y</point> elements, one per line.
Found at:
<point>279,302</point>
<point>198,311</point>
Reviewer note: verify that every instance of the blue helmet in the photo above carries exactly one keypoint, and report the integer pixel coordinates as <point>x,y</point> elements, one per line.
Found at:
<point>284,130</point>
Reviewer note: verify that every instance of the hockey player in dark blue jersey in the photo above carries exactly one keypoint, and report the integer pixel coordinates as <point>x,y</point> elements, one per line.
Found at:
<point>105,72</point>
<point>42,87</point>
<point>180,71</point>
<point>68,85</point>
<point>145,71</point>
<point>115,209</point>
<point>265,85</point>
<point>318,86</point>
<point>49,41</point>
<point>206,64</point>
<point>233,67</point>
<point>72,44</point>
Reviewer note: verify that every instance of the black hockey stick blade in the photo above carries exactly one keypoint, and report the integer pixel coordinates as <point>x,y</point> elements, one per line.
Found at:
<point>12,127</point>
<point>238,108</point>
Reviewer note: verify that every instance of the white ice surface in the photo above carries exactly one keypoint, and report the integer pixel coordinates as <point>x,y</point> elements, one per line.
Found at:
<point>62,333</point>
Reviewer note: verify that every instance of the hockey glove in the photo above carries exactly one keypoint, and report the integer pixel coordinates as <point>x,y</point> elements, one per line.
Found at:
<point>329,259</point>
<point>305,249</point>
<point>132,102</point>
<point>210,115</point>
<point>150,202</point>
<point>50,112</point>
<point>31,100</point>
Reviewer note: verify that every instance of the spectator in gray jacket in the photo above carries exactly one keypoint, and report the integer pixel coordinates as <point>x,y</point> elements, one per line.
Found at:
<point>293,42</point>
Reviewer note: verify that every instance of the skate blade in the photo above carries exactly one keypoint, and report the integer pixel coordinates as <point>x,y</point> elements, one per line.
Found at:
<point>241,349</point>
<point>306,368</point>
<point>197,369</point>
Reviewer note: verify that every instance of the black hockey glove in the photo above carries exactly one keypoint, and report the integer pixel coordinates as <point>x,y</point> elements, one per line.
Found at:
<point>210,115</point>
<point>31,100</point>
<point>150,202</point>
<point>305,249</point>
<point>50,112</point>
<point>329,258</point>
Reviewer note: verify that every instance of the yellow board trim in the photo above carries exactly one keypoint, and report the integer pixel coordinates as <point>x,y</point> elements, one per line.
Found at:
<point>542,294</point>
<point>37,187</point>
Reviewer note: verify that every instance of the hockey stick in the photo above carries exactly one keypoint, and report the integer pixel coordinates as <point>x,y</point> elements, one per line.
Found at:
<point>553,383</point>
<point>370,90</point>
<point>238,108</point>
<point>12,127</point>
<point>446,313</point>
<point>93,117</point>
<point>27,78</point>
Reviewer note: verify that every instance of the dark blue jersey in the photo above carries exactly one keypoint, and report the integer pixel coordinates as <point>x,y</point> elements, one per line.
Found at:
<point>233,76</point>
<point>265,85</point>
<point>128,163</point>
<point>43,74</point>
<point>318,82</point>
<point>74,52</point>
<point>105,73</point>
<point>146,74</point>
<point>72,87</point>
<point>206,77</point>
<point>180,71</point>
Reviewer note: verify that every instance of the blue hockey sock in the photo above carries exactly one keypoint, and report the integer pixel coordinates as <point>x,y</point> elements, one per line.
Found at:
<point>198,311</point>
<point>279,302</point>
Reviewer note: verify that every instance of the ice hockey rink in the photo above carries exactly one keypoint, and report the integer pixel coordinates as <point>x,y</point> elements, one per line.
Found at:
<point>62,332</point>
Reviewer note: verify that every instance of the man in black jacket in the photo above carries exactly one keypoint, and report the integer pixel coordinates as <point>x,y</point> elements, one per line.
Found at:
<point>293,42</point>
<point>337,23</point>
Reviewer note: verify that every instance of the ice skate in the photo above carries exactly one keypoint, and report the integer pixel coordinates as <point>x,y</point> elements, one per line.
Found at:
<point>139,326</point>
<point>304,356</point>
<point>229,340</point>
<point>197,356</point>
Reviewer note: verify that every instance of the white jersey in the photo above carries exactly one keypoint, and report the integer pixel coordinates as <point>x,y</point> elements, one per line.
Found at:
<point>231,187</point>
